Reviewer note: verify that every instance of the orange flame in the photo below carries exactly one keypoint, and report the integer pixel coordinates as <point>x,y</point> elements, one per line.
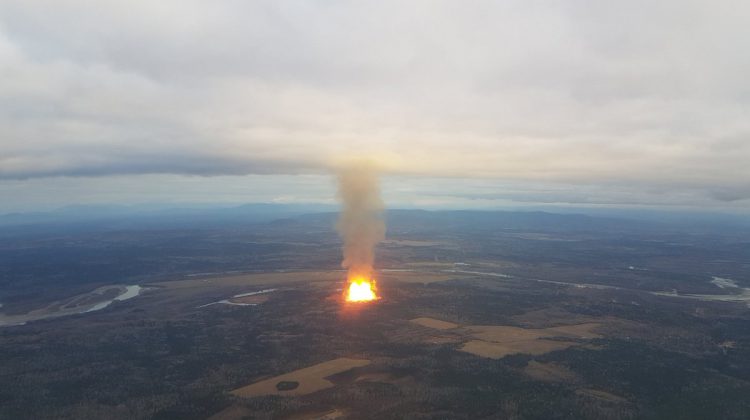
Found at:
<point>361,289</point>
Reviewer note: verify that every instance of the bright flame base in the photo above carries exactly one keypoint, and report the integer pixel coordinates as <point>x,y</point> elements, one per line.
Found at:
<point>361,290</point>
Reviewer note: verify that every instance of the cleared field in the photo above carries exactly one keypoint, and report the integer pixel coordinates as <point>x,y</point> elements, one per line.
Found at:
<point>499,350</point>
<point>505,334</point>
<point>434,323</point>
<point>498,341</point>
<point>495,341</point>
<point>310,379</point>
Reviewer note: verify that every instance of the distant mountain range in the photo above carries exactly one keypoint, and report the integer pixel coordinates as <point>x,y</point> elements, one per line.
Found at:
<point>324,216</point>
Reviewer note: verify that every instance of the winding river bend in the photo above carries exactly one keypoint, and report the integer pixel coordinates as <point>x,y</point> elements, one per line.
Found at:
<point>95,300</point>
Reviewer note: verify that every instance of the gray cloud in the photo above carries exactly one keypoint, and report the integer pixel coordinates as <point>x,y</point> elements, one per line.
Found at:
<point>629,96</point>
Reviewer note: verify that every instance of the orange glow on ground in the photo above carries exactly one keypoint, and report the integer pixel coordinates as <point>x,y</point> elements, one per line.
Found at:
<point>361,290</point>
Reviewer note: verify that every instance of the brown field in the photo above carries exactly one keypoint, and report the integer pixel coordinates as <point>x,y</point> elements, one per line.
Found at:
<point>499,350</point>
<point>434,323</point>
<point>311,379</point>
<point>495,341</point>
<point>498,341</point>
<point>549,372</point>
<point>505,334</point>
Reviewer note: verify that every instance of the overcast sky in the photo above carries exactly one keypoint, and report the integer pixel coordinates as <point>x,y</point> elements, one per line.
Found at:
<point>643,103</point>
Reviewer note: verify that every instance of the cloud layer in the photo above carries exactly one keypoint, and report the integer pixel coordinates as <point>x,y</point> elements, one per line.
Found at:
<point>614,97</point>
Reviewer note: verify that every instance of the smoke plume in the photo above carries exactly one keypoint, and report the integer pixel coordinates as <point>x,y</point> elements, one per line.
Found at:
<point>360,224</point>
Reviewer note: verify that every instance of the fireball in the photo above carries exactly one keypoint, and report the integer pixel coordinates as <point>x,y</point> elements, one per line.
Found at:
<point>361,290</point>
